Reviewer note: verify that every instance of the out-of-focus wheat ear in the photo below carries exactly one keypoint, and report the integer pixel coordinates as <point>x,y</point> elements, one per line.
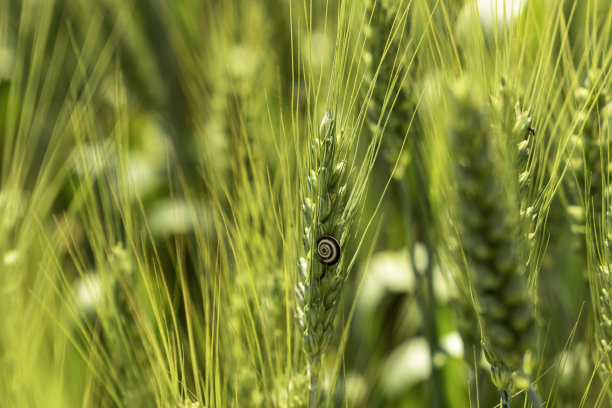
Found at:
<point>390,106</point>
<point>514,124</point>
<point>592,221</point>
<point>487,219</point>
<point>593,172</point>
<point>126,344</point>
<point>388,57</point>
<point>605,322</point>
<point>591,164</point>
<point>320,265</point>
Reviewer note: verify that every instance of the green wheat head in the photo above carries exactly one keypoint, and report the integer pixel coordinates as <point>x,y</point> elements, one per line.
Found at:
<point>488,218</point>
<point>591,158</point>
<point>592,168</point>
<point>324,201</point>
<point>386,37</point>
<point>605,321</point>
<point>512,123</point>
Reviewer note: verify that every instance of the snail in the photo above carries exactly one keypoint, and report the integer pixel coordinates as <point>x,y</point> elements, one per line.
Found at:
<point>328,249</point>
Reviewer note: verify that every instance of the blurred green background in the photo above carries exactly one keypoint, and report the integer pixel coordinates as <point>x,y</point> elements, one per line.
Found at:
<point>149,203</point>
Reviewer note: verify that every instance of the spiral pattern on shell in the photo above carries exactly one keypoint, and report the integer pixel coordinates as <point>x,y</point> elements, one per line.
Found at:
<point>328,249</point>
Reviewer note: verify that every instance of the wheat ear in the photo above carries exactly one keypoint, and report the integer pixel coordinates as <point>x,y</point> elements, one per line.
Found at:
<point>389,104</point>
<point>592,171</point>
<point>320,274</point>
<point>488,216</point>
<point>590,161</point>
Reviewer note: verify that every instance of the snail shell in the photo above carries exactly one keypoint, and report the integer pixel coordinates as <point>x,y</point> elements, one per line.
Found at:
<point>328,249</point>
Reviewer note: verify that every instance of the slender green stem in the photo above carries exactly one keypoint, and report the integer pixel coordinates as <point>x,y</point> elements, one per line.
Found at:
<point>506,399</point>
<point>312,394</point>
<point>473,384</point>
<point>315,365</point>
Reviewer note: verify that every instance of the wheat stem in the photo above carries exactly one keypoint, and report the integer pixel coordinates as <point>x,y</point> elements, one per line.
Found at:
<point>314,383</point>
<point>506,399</point>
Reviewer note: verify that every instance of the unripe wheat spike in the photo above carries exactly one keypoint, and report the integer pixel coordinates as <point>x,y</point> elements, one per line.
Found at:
<point>321,281</point>
<point>488,215</point>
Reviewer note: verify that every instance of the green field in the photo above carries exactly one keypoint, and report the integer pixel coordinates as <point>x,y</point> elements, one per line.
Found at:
<point>305,203</point>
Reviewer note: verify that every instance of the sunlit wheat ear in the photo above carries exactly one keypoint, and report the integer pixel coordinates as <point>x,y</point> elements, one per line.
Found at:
<point>320,265</point>
<point>487,219</point>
